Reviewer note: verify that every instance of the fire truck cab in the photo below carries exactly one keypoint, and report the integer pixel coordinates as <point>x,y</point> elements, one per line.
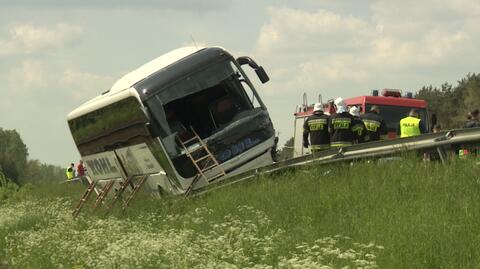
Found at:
<point>393,107</point>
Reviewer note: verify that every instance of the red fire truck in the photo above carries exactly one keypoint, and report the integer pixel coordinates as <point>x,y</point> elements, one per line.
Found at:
<point>393,107</point>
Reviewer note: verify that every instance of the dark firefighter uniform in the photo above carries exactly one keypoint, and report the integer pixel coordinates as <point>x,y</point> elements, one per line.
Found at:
<point>345,129</point>
<point>317,127</point>
<point>375,126</point>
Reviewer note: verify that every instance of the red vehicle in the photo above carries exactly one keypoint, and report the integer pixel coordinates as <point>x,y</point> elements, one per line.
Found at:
<point>393,107</point>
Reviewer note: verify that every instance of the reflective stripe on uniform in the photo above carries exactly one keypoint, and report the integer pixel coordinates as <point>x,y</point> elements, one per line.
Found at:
<point>371,125</point>
<point>357,128</point>
<point>409,126</point>
<point>324,146</point>
<point>341,123</point>
<point>340,144</point>
<point>317,124</point>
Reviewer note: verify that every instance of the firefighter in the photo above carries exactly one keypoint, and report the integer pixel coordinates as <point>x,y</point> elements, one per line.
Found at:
<point>374,123</point>
<point>361,131</point>
<point>317,127</point>
<point>343,126</point>
<point>70,172</point>
<point>411,125</point>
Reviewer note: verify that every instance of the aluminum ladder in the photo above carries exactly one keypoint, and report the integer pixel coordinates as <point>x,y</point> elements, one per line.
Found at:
<point>123,186</point>
<point>202,158</point>
<point>83,200</point>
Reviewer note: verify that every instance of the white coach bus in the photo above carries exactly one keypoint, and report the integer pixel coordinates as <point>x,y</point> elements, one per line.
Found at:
<point>133,129</point>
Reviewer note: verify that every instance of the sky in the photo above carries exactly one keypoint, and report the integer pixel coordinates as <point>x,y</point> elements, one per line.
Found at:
<point>57,54</point>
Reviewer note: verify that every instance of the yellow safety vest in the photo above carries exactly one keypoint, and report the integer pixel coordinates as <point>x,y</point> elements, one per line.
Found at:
<point>409,126</point>
<point>69,173</point>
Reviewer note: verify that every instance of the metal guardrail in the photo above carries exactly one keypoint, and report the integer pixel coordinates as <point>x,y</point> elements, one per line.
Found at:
<point>438,142</point>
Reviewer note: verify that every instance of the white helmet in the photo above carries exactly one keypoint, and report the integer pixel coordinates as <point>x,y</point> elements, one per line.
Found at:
<point>340,104</point>
<point>317,107</point>
<point>354,111</point>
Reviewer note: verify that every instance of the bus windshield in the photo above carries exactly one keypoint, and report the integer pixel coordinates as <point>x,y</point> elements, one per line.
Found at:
<point>215,102</point>
<point>393,114</point>
<point>206,101</point>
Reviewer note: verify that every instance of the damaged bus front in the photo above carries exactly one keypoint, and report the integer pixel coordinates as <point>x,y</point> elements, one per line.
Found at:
<point>136,128</point>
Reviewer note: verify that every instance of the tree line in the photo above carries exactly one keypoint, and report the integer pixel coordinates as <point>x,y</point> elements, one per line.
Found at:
<point>15,166</point>
<point>451,104</point>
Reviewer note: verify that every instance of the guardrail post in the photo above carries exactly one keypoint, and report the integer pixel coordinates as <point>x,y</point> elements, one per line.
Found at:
<point>443,154</point>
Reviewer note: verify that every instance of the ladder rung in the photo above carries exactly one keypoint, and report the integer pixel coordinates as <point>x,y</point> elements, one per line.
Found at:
<point>191,139</point>
<point>209,167</point>
<point>203,158</point>
<point>195,149</point>
<point>216,176</point>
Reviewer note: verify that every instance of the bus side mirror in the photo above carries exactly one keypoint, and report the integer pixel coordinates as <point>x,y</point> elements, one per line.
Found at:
<point>262,75</point>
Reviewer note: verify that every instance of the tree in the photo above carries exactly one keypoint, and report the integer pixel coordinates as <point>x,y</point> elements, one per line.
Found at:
<point>13,154</point>
<point>14,163</point>
<point>40,172</point>
<point>7,188</point>
<point>451,104</point>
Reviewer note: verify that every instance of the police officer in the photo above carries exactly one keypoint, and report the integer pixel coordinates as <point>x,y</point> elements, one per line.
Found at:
<point>343,126</point>
<point>374,124</point>
<point>411,125</point>
<point>70,172</point>
<point>317,127</point>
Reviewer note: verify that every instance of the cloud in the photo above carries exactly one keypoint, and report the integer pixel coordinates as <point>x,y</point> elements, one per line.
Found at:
<point>324,46</point>
<point>421,13</point>
<point>188,5</point>
<point>335,68</point>
<point>29,75</point>
<point>84,85</point>
<point>28,38</point>
<point>433,48</point>
<point>33,79</point>
<point>291,30</point>
<point>194,43</point>
<point>41,94</point>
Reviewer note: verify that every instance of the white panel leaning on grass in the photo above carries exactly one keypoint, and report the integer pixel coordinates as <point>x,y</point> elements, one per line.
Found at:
<point>185,120</point>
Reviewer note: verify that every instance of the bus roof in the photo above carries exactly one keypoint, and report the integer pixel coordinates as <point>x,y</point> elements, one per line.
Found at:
<point>102,101</point>
<point>388,101</point>
<point>124,84</point>
<point>151,67</point>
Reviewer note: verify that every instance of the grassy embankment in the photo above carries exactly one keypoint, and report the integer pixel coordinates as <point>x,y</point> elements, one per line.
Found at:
<point>391,215</point>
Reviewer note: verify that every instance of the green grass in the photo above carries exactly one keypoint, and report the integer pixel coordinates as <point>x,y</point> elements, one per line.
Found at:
<point>415,214</point>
